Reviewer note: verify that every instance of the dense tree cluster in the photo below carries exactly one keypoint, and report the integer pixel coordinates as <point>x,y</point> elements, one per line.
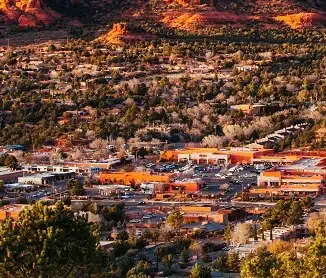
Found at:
<point>49,242</point>
<point>287,261</point>
<point>154,107</point>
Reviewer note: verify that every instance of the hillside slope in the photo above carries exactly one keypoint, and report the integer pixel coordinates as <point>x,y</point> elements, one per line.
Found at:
<point>175,14</point>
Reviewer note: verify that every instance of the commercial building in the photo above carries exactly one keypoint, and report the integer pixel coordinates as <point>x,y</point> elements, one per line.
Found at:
<point>80,169</point>
<point>306,176</point>
<point>105,164</point>
<point>149,182</point>
<point>187,185</point>
<point>46,178</point>
<point>112,189</point>
<point>129,178</point>
<point>7,175</point>
<point>193,213</point>
<point>214,155</point>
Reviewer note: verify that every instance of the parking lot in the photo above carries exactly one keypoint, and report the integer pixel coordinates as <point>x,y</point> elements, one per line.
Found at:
<point>236,178</point>
<point>216,177</point>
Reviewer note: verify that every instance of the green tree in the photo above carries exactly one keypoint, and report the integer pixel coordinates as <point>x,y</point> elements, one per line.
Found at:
<point>49,242</point>
<point>75,187</point>
<point>167,262</point>
<point>233,262</point>
<point>124,264</point>
<point>155,235</point>
<point>174,219</point>
<point>302,96</point>
<point>147,234</point>
<point>220,264</point>
<point>9,161</point>
<point>315,258</point>
<point>199,271</point>
<point>184,257</point>
<point>2,188</point>
<point>142,152</point>
<point>307,202</point>
<point>123,235</point>
<point>258,264</point>
<point>141,243</point>
<point>159,253</point>
<point>294,213</point>
<point>142,269</point>
<point>227,233</point>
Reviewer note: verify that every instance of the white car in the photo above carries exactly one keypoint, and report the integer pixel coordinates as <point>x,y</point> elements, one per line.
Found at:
<point>134,221</point>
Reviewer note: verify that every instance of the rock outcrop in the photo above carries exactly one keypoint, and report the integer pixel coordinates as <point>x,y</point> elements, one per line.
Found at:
<point>120,34</point>
<point>28,13</point>
<point>302,20</point>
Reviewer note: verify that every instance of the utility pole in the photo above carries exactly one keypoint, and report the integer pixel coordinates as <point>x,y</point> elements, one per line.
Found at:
<point>136,153</point>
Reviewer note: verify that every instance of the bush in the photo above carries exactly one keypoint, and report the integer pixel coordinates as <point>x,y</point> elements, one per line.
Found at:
<point>4,203</point>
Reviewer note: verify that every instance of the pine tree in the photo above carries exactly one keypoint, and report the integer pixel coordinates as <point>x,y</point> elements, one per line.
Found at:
<point>227,233</point>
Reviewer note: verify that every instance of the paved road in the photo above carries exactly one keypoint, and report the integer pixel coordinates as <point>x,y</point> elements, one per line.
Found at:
<point>149,204</point>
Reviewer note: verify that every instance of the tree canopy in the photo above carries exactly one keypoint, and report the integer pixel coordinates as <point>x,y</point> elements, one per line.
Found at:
<point>49,242</point>
<point>285,261</point>
<point>174,219</point>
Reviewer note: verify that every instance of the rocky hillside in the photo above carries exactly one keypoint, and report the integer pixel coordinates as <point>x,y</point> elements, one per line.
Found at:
<point>28,13</point>
<point>174,14</point>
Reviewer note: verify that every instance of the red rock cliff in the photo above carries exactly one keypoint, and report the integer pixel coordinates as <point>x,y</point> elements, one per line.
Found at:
<point>28,13</point>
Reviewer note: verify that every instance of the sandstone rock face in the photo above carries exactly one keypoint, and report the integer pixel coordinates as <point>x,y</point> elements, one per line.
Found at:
<point>119,34</point>
<point>302,20</point>
<point>116,34</point>
<point>28,13</point>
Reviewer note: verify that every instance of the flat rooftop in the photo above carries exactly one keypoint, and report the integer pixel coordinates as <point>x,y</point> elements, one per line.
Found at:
<point>306,164</point>
<point>40,175</point>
